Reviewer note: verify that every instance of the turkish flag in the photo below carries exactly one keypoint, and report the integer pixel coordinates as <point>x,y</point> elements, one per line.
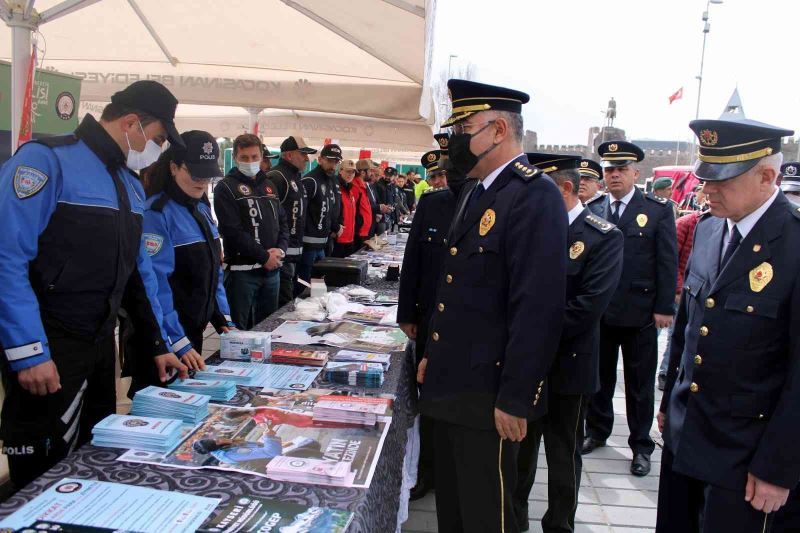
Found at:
<point>26,121</point>
<point>326,142</point>
<point>384,165</point>
<point>677,95</point>
<point>364,154</point>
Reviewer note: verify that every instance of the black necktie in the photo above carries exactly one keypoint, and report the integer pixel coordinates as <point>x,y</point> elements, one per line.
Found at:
<point>615,211</point>
<point>477,192</point>
<point>733,244</point>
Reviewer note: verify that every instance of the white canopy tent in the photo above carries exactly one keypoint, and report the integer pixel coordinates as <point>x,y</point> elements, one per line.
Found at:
<point>368,58</point>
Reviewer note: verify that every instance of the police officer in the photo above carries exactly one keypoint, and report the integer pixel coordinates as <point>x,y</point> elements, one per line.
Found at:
<point>591,182</point>
<point>321,187</point>
<point>286,178</point>
<point>254,234</point>
<point>422,263</point>
<point>662,188</point>
<point>642,303</point>
<point>790,181</point>
<point>729,411</point>
<point>266,159</point>
<point>182,241</point>
<point>497,319</point>
<point>407,189</point>
<point>594,265</point>
<point>72,254</point>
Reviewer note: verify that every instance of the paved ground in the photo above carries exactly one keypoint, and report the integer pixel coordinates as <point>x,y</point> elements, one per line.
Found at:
<point>610,499</point>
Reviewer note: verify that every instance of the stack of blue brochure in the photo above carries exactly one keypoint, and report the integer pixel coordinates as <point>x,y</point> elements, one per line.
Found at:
<point>219,390</point>
<point>190,407</point>
<point>159,435</point>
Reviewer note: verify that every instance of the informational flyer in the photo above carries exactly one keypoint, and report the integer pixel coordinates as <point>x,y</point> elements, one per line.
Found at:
<point>249,513</point>
<point>344,334</point>
<point>247,439</point>
<point>291,377</point>
<point>87,502</point>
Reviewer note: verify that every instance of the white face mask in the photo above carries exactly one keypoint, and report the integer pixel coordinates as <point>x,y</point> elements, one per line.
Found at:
<point>138,160</point>
<point>249,169</point>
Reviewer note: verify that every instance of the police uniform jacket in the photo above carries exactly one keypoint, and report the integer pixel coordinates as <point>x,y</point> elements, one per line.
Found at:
<point>71,252</point>
<point>410,197</point>
<point>292,196</point>
<point>733,387</point>
<point>650,262</point>
<point>251,220</point>
<point>500,301</point>
<point>594,265</point>
<point>422,261</point>
<point>182,240</point>
<point>321,192</point>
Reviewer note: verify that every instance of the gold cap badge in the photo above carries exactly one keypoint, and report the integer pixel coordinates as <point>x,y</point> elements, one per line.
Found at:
<point>584,164</point>
<point>613,147</point>
<point>709,137</point>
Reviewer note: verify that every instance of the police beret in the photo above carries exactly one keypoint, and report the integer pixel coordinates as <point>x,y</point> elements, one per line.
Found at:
<point>470,97</point>
<point>619,153</point>
<point>662,183</point>
<point>729,148</point>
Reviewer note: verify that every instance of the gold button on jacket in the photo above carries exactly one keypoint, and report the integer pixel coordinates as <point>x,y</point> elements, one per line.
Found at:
<point>694,387</point>
<point>703,331</point>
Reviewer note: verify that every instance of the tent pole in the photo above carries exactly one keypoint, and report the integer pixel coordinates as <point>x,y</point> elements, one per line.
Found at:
<point>252,118</point>
<point>20,60</point>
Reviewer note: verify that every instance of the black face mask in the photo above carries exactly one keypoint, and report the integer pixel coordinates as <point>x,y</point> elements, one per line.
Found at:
<point>461,157</point>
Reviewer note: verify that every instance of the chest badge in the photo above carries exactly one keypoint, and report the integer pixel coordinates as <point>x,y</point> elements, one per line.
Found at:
<point>760,277</point>
<point>294,186</point>
<point>268,189</point>
<point>244,189</point>
<point>487,221</point>
<point>576,249</point>
<point>641,219</point>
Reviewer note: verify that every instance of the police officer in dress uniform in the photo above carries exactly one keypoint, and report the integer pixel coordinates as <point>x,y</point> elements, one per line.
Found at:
<point>254,235</point>
<point>422,264</point>
<point>729,412</point>
<point>642,303</point>
<point>322,218</point>
<point>594,265</point>
<point>790,181</point>
<point>498,313</point>
<point>591,187</point>
<point>72,255</point>
<point>286,176</point>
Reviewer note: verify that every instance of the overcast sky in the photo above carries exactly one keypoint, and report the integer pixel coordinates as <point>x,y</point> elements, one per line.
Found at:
<point>571,56</point>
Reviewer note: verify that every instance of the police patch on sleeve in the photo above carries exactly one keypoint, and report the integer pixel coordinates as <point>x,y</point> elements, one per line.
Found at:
<point>28,181</point>
<point>152,243</point>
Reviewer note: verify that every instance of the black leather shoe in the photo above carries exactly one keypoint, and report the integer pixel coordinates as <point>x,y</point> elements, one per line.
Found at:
<point>420,489</point>
<point>590,445</point>
<point>640,466</point>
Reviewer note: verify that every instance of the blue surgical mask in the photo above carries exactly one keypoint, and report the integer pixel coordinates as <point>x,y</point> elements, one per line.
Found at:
<point>249,169</point>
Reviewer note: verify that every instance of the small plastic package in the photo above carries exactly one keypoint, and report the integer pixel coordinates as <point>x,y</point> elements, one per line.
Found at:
<point>251,346</point>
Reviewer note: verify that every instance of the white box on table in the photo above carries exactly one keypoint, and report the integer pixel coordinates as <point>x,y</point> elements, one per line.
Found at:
<point>253,346</point>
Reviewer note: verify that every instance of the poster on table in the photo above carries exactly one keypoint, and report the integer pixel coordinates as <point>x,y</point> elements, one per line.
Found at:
<point>246,439</point>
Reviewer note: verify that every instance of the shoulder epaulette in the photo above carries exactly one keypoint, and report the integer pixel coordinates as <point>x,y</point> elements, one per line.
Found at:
<point>795,211</point>
<point>597,198</point>
<point>600,224</point>
<point>656,199</point>
<point>58,140</point>
<point>526,172</point>
<point>434,189</point>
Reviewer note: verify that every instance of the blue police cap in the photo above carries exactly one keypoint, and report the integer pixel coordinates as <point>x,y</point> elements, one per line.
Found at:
<point>590,169</point>
<point>470,97</point>
<point>443,140</point>
<point>619,153</point>
<point>729,148</point>
<point>790,182</point>
<point>553,162</point>
<point>430,160</point>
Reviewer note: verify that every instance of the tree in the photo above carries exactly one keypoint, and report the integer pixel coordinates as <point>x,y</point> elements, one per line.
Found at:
<point>441,97</point>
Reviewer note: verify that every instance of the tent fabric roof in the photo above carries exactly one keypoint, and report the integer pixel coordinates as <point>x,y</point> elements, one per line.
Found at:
<point>360,57</point>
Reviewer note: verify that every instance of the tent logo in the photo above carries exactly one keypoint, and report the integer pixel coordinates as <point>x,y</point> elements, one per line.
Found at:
<point>303,88</point>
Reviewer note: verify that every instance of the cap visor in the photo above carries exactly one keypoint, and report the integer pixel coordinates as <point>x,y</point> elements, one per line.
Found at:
<point>722,171</point>
<point>204,171</point>
<point>308,150</point>
<point>790,186</point>
<point>615,164</point>
<point>172,133</point>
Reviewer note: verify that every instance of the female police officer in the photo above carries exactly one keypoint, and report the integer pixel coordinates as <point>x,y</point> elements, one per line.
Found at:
<point>182,241</point>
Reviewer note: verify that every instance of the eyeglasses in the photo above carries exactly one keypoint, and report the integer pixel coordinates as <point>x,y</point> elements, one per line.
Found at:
<point>462,127</point>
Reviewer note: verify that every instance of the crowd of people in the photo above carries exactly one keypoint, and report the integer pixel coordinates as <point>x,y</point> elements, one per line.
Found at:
<point>524,277</point>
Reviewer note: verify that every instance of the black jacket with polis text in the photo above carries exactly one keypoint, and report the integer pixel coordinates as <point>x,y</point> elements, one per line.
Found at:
<point>292,196</point>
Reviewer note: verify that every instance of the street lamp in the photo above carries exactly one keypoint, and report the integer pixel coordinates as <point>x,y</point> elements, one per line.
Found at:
<point>706,29</point>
